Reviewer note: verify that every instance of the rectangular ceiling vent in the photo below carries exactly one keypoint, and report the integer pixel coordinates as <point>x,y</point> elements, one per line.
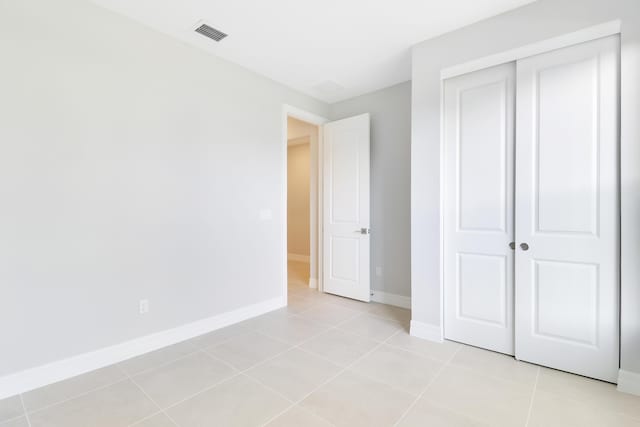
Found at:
<point>210,32</point>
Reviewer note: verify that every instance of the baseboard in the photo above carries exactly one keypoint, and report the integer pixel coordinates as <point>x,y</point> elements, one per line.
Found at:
<point>40,376</point>
<point>629,382</point>
<point>313,283</point>
<point>298,257</point>
<point>426,331</point>
<point>391,299</point>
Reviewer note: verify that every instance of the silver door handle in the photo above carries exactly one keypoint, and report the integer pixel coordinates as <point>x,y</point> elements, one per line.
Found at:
<point>512,245</point>
<point>524,246</point>
<point>363,231</point>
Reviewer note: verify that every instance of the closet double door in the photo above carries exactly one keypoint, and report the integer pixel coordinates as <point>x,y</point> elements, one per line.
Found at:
<point>531,208</point>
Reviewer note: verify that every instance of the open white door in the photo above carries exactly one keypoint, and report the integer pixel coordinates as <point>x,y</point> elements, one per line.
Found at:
<point>346,208</point>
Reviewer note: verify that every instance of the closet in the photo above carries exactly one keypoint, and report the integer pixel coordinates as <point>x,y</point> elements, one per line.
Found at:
<point>531,208</point>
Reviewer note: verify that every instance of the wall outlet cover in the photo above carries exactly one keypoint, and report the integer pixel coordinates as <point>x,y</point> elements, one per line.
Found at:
<point>144,306</point>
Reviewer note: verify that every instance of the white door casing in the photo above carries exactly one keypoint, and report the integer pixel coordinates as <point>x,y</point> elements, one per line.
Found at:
<point>478,208</point>
<point>567,209</point>
<point>346,222</point>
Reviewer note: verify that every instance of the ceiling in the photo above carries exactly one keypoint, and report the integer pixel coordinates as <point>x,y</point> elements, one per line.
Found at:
<point>329,49</point>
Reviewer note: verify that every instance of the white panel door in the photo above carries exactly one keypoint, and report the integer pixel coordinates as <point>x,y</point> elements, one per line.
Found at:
<point>478,208</point>
<point>567,209</point>
<point>346,208</point>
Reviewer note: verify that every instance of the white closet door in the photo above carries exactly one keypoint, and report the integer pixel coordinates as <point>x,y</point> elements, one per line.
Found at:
<point>479,158</point>
<point>567,209</point>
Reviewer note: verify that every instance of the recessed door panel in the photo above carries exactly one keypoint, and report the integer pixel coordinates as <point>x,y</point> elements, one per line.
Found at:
<point>344,177</point>
<point>567,209</point>
<point>344,258</point>
<point>478,203</point>
<point>567,173</point>
<point>565,303</point>
<point>482,289</point>
<point>482,150</point>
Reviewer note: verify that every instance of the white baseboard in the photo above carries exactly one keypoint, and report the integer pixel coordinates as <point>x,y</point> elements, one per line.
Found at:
<point>298,257</point>
<point>313,283</point>
<point>391,299</point>
<point>426,331</point>
<point>40,376</point>
<point>629,382</point>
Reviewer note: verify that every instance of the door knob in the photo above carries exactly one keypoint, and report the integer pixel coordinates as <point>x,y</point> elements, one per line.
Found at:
<point>364,231</point>
<point>512,245</point>
<point>524,246</point>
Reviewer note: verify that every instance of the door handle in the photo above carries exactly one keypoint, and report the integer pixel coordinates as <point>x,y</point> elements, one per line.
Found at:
<point>363,231</point>
<point>524,246</point>
<point>512,245</point>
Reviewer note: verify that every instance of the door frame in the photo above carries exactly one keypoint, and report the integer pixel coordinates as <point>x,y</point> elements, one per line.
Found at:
<point>585,35</point>
<point>314,119</point>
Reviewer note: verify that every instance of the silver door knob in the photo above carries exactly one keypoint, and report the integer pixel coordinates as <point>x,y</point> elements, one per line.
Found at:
<point>512,245</point>
<point>364,231</point>
<point>524,246</point>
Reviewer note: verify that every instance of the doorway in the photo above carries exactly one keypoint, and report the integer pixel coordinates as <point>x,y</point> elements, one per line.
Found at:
<point>338,214</point>
<point>302,203</point>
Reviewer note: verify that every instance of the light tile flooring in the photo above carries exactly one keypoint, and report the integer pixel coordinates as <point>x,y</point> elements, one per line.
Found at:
<point>323,361</point>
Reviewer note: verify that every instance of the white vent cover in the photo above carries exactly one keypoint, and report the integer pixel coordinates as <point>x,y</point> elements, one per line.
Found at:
<point>210,32</point>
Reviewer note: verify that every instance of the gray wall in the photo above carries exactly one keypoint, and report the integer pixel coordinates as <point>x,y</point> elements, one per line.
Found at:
<point>535,22</point>
<point>390,110</point>
<point>128,171</point>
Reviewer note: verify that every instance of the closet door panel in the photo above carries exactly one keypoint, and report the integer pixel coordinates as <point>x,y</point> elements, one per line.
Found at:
<point>478,198</point>
<point>567,281</point>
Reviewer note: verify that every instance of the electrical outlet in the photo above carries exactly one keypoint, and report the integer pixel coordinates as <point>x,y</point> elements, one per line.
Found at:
<point>144,306</point>
<point>379,271</point>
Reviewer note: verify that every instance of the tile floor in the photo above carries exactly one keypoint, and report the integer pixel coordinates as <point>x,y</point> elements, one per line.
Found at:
<point>322,361</point>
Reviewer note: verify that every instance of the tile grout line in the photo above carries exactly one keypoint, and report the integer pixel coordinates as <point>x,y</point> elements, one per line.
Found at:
<point>237,372</point>
<point>203,349</point>
<point>110,383</point>
<point>435,377</point>
<point>367,376</point>
<point>329,327</point>
<point>533,396</point>
<point>162,365</point>
<point>150,399</point>
<point>148,417</point>
<point>360,313</point>
<point>76,396</point>
<point>366,312</point>
<point>24,409</point>
<point>124,378</point>
<point>331,378</point>
<point>292,346</point>
<point>12,419</point>
<point>268,387</point>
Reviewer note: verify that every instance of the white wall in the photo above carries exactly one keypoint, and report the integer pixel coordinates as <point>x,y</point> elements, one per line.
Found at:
<point>535,22</point>
<point>298,197</point>
<point>127,171</point>
<point>390,110</point>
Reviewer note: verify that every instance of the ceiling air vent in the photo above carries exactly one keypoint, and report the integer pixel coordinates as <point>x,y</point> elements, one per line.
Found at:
<point>210,32</point>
